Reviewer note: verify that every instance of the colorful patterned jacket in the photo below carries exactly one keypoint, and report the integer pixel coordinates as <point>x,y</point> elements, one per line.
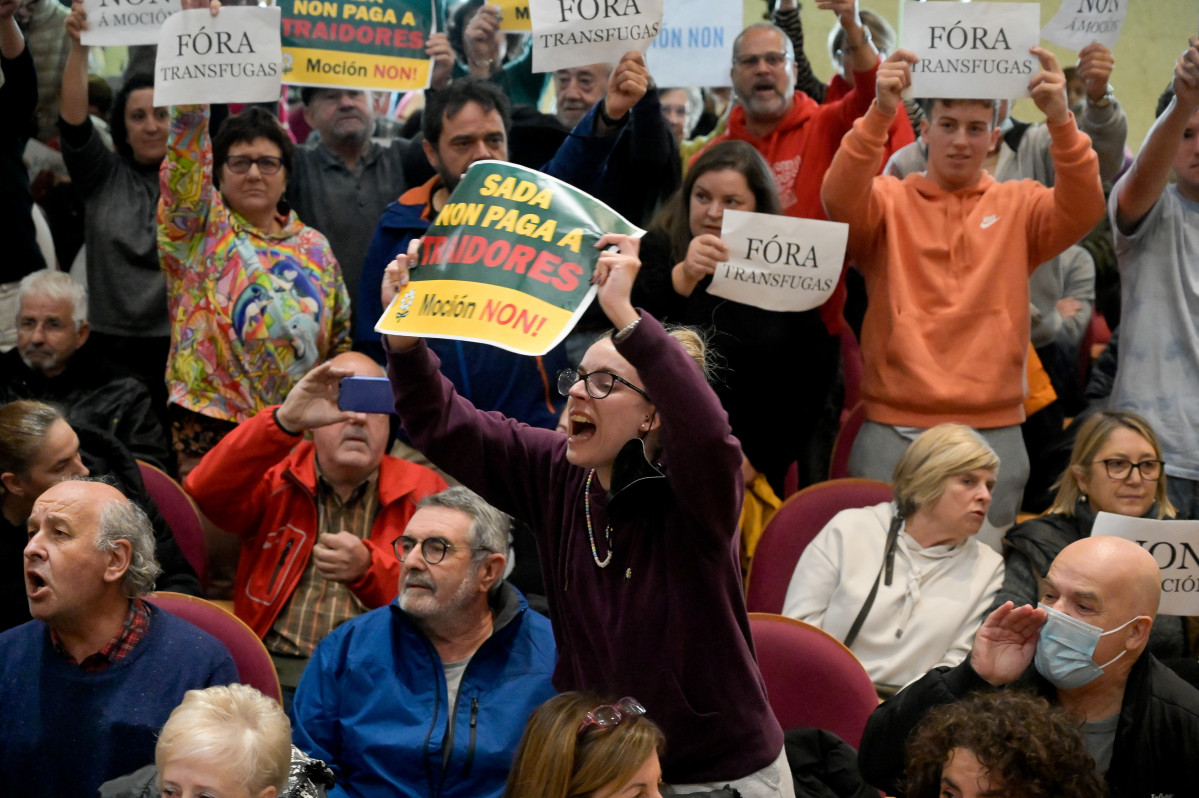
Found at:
<point>251,312</point>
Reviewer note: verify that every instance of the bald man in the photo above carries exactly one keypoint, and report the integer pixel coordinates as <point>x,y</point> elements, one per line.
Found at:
<point>87,684</point>
<point>316,517</point>
<point>1083,648</point>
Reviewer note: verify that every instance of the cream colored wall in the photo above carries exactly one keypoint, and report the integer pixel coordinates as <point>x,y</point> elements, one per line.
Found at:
<point>1154,34</point>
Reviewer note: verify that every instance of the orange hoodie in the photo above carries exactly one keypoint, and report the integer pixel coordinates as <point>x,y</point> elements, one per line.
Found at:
<point>947,325</point>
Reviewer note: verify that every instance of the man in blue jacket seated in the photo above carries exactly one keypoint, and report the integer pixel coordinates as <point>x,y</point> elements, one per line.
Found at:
<point>1082,648</point>
<point>430,694</point>
<point>86,685</point>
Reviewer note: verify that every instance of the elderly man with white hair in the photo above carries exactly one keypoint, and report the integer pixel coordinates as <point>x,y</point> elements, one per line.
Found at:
<point>86,685</point>
<point>51,363</point>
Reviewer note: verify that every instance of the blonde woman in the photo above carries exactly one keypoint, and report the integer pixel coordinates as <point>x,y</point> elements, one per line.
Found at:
<point>904,584</point>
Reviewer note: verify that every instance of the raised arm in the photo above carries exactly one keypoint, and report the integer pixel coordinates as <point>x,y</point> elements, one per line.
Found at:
<point>12,42</point>
<point>1102,117</point>
<point>859,46</point>
<point>1061,216</point>
<point>1139,190</point>
<point>73,107</point>
<point>786,16</point>
<point>847,190</point>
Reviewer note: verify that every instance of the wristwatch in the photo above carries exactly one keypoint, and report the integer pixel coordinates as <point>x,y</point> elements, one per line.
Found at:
<point>1109,95</point>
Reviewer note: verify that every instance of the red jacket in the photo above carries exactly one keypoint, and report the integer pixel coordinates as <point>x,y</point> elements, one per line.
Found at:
<point>255,485</point>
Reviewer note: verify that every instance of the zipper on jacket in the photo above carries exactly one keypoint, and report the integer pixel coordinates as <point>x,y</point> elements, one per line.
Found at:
<point>279,566</point>
<point>470,748</point>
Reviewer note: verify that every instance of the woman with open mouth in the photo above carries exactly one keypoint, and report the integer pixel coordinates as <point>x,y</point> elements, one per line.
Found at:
<point>635,512</point>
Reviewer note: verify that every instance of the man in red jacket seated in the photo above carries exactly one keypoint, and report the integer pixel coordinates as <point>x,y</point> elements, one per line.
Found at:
<point>946,255</point>
<point>316,517</point>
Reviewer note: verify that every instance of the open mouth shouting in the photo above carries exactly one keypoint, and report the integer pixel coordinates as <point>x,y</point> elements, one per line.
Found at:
<point>581,427</point>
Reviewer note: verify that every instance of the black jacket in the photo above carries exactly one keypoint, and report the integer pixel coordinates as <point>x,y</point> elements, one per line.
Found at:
<point>1030,548</point>
<point>1154,751</point>
<point>95,392</point>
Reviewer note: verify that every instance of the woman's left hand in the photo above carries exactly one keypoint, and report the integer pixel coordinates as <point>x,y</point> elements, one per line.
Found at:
<point>614,274</point>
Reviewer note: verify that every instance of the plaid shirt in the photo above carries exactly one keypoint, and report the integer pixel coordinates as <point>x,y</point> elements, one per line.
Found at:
<point>137,623</point>
<point>318,605</point>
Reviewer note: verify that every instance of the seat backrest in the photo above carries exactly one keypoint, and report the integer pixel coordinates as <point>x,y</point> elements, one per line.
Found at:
<point>254,664</point>
<point>181,515</point>
<point>851,425</point>
<point>793,527</point>
<point>811,678</point>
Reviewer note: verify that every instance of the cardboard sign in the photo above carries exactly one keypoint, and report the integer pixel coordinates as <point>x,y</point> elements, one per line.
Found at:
<point>114,22</point>
<point>514,15</point>
<point>508,261</point>
<point>779,262</point>
<point>357,44</point>
<point>1079,22</point>
<point>232,57</point>
<point>571,33</point>
<point>1175,546</point>
<point>972,50</point>
<point>695,45</point>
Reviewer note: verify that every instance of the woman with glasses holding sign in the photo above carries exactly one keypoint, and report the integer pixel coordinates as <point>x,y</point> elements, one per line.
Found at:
<point>256,296</point>
<point>1116,467</point>
<point>635,511</point>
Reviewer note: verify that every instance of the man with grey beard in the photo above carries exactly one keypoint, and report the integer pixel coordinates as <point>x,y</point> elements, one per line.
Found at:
<point>430,694</point>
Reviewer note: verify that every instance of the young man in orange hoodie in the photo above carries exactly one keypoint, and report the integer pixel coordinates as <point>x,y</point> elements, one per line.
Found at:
<point>946,256</point>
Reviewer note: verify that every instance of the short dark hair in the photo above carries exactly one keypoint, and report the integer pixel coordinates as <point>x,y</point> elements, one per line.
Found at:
<point>252,123</point>
<point>927,103</point>
<point>116,121</point>
<point>1032,749</point>
<point>1163,102</point>
<point>449,101</point>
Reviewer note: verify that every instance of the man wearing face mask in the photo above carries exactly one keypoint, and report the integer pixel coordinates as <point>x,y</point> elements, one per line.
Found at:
<point>1083,648</point>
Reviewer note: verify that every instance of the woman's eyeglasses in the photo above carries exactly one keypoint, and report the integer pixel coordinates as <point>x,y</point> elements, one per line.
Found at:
<point>1119,468</point>
<point>267,164</point>
<point>598,383</point>
<point>611,714</point>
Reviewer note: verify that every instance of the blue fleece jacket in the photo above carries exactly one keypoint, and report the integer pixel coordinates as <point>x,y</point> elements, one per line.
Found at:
<point>373,704</point>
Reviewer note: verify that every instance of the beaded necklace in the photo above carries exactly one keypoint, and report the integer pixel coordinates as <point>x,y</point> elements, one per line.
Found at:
<point>590,533</point>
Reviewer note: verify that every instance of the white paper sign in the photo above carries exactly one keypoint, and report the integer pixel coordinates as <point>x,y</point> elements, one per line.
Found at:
<point>1175,546</point>
<point>695,45</point>
<point>1079,22</point>
<point>972,50</point>
<point>112,22</point>
<point>234,57</point>
<point>779,262</point>
<point>571,33</point>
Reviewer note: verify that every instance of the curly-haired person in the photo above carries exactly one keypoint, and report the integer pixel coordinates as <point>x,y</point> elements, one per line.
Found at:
<point>1007,743</point>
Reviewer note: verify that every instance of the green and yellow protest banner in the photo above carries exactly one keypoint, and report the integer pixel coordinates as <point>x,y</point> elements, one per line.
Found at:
<point>507,261</point>
<point>357,44</point>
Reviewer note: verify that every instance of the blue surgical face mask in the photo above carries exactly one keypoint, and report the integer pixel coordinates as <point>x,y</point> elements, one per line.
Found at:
<point>1066,649</point>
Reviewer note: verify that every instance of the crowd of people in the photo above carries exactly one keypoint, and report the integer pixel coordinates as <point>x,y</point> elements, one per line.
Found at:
<point>529,580</point>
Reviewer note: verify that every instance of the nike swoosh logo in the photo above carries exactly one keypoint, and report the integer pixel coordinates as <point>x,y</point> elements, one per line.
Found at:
<point>988,221</point>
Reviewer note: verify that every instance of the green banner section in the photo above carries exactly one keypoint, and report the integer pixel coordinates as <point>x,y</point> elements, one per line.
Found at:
<point>508,261</point>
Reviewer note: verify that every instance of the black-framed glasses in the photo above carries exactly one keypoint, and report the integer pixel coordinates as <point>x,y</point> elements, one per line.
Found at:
<point>611,714</point>
<point>432,549</point>
<point>773,59</point>
<point>267,164</point>
<point>1119,468</point>
<point>598,383</point>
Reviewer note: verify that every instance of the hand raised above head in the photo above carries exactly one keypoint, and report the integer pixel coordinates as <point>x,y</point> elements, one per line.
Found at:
<point>213,6</point>
<point>894,76</point>
<point>1186,76</point>
<point>627,84</point>
<point>1048,87</point>
<point>1095,64</point>
<point>1006,642</point>
<point>395,278</point>
<point>615,273</point>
